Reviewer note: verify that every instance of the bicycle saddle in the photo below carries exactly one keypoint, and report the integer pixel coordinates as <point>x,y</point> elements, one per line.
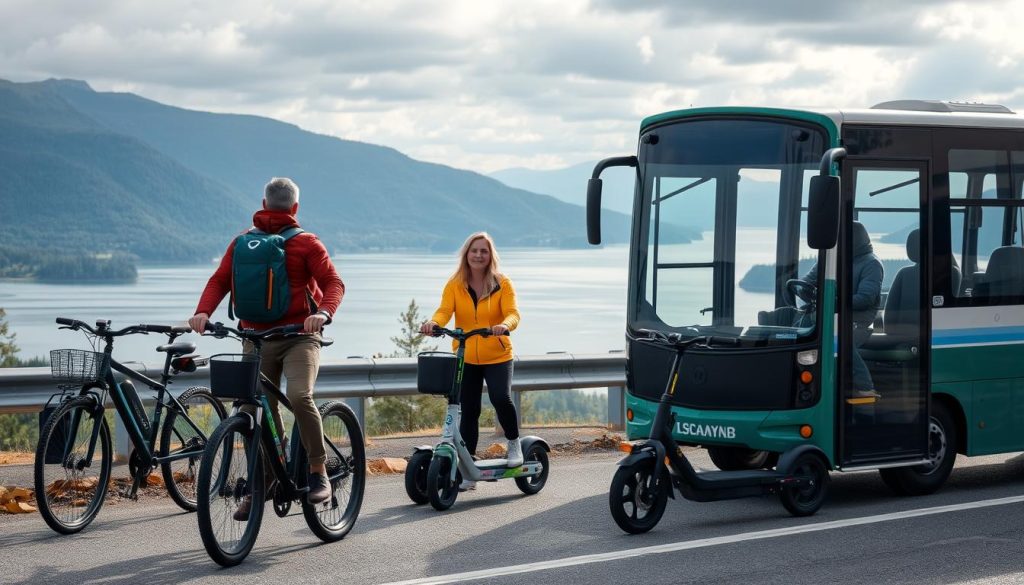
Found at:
<point>177,348</point>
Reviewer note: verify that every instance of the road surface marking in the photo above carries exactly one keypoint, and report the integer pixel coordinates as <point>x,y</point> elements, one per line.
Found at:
<point>702,543</point>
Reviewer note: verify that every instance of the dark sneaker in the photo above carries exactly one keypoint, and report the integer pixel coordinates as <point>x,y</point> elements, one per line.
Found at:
<point>319,488</point>
<point>242,513</point>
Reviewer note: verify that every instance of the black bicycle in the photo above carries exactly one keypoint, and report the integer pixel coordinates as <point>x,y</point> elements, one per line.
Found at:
<point>233,470</point>
<point>73,456</point>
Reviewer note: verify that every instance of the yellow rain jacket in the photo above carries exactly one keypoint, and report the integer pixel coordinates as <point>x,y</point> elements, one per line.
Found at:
<point>497,308</point>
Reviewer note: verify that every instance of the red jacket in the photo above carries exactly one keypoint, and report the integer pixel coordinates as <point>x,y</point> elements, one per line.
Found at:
<point>309,268</point>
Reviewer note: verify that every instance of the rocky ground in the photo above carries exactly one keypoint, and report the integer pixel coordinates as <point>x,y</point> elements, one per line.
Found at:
<point>384,455</point>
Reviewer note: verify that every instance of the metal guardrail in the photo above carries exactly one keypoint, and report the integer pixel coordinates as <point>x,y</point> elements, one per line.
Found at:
<point>356,379</point>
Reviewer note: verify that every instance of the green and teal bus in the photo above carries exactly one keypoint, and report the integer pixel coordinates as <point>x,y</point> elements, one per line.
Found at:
<point>719,248</point>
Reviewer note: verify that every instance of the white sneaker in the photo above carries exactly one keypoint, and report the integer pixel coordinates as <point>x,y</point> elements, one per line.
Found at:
<point>515,453</point>
<point>467,485</point>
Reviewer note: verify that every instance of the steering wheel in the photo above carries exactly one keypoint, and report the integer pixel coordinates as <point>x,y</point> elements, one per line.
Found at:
<point>803,290</point>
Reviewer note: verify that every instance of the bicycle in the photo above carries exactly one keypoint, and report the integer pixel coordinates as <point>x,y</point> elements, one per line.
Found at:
<point>233,468</point>
<point>69,495</point>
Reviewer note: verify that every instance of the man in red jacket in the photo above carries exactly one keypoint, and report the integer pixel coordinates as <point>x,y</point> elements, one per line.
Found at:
<point>311,271</point>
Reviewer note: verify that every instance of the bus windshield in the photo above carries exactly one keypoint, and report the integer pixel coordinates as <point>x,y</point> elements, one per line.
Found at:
<point>722,229</point>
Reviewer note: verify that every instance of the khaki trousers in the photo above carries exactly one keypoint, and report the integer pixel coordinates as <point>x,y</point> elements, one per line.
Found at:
<point>298,359</point>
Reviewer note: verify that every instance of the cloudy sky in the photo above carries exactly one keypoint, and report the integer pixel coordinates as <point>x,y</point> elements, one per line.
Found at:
<point>541,84</point>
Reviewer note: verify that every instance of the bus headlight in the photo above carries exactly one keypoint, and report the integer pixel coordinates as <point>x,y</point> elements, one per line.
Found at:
<point>807,358</point>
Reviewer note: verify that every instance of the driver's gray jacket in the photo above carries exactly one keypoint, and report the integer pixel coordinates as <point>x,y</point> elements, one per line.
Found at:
<point>867,283</point>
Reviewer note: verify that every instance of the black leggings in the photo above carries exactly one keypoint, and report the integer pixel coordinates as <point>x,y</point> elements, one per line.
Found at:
<point>499,390</point>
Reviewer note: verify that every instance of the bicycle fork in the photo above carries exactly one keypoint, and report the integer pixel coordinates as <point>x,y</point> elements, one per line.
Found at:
<point>72,431</point>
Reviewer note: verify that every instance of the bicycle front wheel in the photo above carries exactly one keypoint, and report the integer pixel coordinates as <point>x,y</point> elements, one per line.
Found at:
<point>180,438</point>
<point>72,466</point>
<point>346,469</point>
<point>231,492</point>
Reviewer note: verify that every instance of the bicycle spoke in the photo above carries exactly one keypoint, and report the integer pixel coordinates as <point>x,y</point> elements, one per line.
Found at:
<point>228,490</point>
<point>70,484</point>
<point>346,465</point>
<point>188,435</point>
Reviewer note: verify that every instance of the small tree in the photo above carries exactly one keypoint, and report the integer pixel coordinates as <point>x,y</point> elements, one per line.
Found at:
<point>410,342</point>
<point>401,413</point>
<point>8,350</point>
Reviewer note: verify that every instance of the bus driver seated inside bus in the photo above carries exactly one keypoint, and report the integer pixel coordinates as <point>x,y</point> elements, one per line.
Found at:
<point>867,294</point>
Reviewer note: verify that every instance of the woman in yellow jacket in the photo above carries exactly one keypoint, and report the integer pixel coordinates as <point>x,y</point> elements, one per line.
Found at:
<point>480,296</point>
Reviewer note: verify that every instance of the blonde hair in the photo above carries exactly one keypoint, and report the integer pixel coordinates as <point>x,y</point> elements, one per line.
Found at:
<point>463,273</point>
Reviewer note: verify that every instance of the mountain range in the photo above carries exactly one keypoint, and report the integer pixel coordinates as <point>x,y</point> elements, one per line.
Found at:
<point>101,172</point>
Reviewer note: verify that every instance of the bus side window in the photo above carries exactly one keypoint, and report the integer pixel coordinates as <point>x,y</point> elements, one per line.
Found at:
<point>986,218</point>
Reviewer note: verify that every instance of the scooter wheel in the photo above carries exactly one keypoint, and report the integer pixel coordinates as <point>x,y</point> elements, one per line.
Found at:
<point>532,484</point>
<point>440,489</point>
<point>807,499</point>
<point>636,501</point>
<point>416,476</point>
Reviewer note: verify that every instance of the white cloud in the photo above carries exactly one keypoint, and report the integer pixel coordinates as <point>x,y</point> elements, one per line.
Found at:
<point>646,48</point>
<point>486,85</point>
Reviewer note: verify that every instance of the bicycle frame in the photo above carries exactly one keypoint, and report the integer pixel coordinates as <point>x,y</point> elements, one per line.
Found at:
<point>144,446</point>
<point>285,467</point>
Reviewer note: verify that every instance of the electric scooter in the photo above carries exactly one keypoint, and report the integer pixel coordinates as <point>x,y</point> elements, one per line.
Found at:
<point>645,478</point>
<point>434,473</point>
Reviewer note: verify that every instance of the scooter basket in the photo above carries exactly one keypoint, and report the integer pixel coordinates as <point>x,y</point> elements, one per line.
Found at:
<point>235,375</point>
<point>435,372</point>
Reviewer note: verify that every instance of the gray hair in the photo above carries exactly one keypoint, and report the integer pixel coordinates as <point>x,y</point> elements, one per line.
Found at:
<point>281,193</point>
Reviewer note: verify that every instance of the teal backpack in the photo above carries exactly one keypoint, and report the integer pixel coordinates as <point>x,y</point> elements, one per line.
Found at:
<point>260,291</point>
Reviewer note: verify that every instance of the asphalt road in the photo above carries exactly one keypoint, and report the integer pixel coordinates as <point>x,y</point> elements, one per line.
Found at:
<point>972,531</point>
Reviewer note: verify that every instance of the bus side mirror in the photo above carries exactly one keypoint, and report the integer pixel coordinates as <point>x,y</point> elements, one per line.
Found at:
<point>594,211</point>
<point>823,212</point>
<point>594,194</point>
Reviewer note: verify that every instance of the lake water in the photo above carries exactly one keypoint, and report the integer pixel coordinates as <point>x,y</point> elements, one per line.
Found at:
<point>570,300</point>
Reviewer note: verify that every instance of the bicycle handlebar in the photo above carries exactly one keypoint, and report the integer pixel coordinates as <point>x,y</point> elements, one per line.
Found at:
<point>178,329</point>
<point>221,330</point>
<point>460,334</point>
<point>102,328</point>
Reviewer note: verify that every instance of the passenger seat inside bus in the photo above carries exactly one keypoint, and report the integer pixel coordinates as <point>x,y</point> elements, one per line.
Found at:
<point>901,316</point>
<point>1004,275</point>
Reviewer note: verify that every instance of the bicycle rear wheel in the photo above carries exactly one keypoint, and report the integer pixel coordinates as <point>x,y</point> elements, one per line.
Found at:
<point>179,437</point>
<point>224,487</point>
<point>70,482</point>
<point>346,467</point>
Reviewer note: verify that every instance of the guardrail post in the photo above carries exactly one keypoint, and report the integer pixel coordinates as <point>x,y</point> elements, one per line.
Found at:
<point>122,440</point>
<point>617,408</point>
<point>358,405</point>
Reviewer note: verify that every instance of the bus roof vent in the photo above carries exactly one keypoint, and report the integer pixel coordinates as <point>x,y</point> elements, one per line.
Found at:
<point>942,106</point>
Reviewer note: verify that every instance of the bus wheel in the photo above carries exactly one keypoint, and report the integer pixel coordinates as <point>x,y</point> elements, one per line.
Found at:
<point>741,458</point>
<point>925,479</point>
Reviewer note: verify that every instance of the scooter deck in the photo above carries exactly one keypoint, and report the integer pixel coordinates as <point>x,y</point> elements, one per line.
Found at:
<point>498,469</point>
